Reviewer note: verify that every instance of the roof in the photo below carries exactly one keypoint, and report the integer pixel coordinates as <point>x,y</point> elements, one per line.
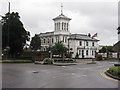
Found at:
<point>46,34</point>
<point>118,43</point>
<point>81,37</point>
<point>117,46</point>
<point>61,16</point>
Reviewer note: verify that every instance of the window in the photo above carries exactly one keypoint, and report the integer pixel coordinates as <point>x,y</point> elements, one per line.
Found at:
<point>65,39</point>
<point>55,26</point>
<point>80,43</point>
<point>92,53</point>
<point>44,41</point>
<point>59,26</point>
<point>67,26</point>
<point>48,40</point>
<point>79,52</point>
<point>62,25</point>
<point>52,40</point>
<point>93,44</point>
<point>87,52</point>
<point>86,43</point>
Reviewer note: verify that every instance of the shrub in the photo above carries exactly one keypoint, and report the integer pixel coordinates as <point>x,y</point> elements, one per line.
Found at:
<point>48,61</point>
<point>114,70</point>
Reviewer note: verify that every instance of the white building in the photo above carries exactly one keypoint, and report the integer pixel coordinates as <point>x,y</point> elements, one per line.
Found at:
<point>84,45</point>
<point>118,34</point>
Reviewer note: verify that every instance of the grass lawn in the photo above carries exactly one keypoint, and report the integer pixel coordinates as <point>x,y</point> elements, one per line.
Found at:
<point>16,61</point>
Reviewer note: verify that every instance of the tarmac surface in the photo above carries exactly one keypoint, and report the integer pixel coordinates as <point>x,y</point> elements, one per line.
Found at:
<point>81,75</point>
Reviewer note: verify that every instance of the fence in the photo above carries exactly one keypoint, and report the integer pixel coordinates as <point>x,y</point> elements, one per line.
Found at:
<point>109,55</point>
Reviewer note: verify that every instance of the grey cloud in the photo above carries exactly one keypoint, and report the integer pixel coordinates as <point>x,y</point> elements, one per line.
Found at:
<point>101,17</point>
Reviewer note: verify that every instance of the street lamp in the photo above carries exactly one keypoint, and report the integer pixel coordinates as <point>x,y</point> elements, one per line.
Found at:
<point>50,54</point>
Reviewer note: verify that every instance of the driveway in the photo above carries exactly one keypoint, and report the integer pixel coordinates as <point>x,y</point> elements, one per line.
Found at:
<point>82,75</point>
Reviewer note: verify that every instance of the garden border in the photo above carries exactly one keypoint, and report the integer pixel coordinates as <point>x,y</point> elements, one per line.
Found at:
<point>110,75</point>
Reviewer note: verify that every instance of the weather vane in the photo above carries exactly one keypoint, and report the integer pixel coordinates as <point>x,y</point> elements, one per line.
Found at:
<point>61,8</point>
<point>8,6</point>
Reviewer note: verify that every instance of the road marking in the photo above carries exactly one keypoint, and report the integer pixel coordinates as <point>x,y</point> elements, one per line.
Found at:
<point>35,72</point>
<point>107,77</point>
<point>63,66</point>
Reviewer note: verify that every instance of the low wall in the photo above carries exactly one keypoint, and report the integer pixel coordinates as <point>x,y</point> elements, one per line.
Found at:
<point>109,55</point>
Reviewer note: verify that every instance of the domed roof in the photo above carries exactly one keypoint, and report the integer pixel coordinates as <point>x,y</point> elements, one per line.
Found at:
<point>61,16</point>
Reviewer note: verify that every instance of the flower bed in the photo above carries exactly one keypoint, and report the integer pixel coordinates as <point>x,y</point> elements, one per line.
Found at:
<point>114,72</point>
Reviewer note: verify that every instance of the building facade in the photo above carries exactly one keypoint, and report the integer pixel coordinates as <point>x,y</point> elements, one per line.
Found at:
<point>119,34</point>
<point>83,45</point>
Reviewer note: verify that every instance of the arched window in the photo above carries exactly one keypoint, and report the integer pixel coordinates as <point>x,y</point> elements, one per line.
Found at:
<point>59,26</point>
<point>44,41</point>
<point>48,40</point>
<point>64,26</point>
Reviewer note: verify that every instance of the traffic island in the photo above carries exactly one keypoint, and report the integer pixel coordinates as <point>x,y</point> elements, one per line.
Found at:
<point>64,64</point>
<point>113,72</point>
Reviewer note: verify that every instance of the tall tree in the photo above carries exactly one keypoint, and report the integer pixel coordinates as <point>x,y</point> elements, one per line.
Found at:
<point>14,34</point>
<point>35,42</point>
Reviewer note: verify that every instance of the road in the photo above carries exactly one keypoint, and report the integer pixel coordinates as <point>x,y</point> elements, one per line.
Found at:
<point>82,75</point>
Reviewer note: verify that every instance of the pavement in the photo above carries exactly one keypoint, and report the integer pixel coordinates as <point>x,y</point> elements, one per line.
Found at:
<point>81,75</point>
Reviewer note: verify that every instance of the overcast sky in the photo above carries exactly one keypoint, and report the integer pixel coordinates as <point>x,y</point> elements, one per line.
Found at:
<point>88,16</point>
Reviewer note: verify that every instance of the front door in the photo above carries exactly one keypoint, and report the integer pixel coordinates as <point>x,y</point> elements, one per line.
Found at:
<point>82,53</point>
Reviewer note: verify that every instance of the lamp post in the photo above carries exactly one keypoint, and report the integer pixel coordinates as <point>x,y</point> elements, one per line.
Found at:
<point>50,53</point>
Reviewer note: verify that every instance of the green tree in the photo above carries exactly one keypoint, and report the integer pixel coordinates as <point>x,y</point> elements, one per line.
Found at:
<point>59,48</point>
<point>103,50</point>
<point>106,49</point>
<point>35,42</point>
<point>110,49</point>
<point>14,34</point>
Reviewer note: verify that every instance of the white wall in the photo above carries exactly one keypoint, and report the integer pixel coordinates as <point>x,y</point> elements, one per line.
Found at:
<point>118,37</point>
<point>114,55</point>
<point>74,44</point>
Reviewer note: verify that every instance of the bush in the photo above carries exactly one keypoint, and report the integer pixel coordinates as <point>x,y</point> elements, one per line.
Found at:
<point>99,58</point>
<point>66,60</point>
<point>48,61</point>
<point>114,70</point>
